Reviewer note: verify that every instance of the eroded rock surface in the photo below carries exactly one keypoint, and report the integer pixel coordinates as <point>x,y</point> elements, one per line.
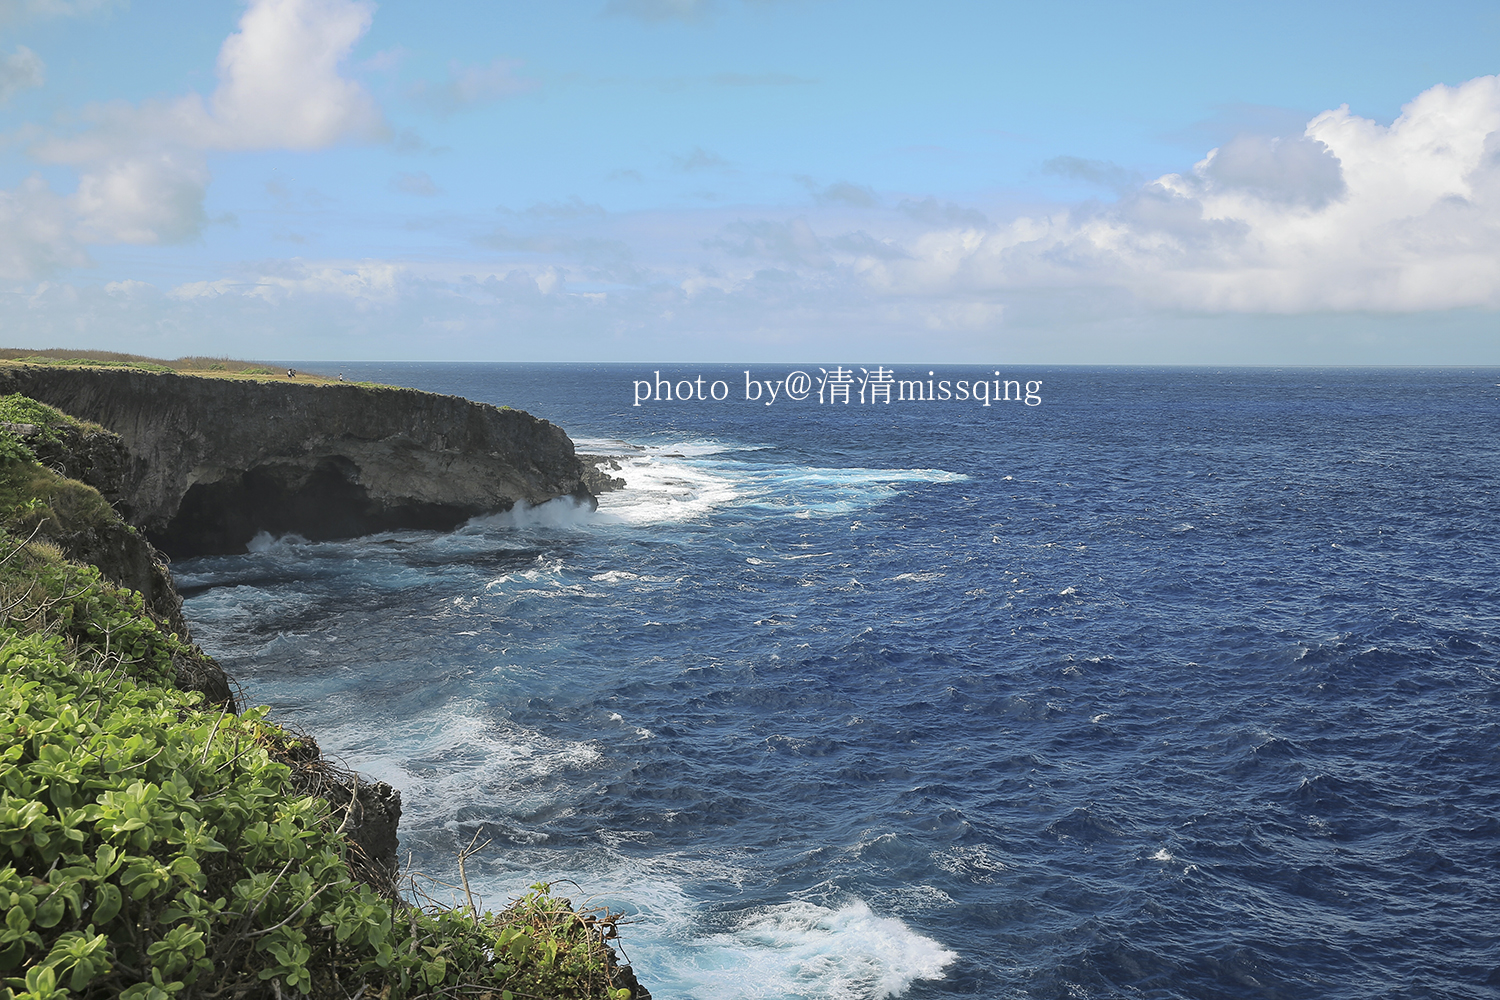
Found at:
<point>212,462</point>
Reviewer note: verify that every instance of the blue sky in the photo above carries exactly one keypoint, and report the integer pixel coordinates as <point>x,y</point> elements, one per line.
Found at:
<point>753,180</point>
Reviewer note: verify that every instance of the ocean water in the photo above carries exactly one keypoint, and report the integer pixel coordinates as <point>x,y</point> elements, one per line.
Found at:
<point>1184,683</point>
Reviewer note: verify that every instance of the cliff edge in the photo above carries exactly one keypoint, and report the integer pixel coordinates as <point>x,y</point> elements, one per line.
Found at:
<point>212,462</point>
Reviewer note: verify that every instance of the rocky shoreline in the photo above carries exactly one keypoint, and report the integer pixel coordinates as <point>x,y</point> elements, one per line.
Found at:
<point>211,462</point>
<point>200,466</point>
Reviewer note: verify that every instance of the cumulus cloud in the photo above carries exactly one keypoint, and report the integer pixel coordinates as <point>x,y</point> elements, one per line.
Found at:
<point>932,212</point>
<point>279,81</point>
<point>21,70</point>
<point>1349,215</point>
<point>142,168</point>
<point>1294,170</point>
<point>469,86</point>
<point>792,242</point>
<point>35,232</point>
<point>142,199</point>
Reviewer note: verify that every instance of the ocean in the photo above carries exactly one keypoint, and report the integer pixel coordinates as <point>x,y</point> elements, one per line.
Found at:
<point>1175,683</point>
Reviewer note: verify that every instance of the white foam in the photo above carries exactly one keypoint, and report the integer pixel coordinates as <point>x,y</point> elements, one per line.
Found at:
<point>978,862</point>
<point>453,756</point>
<point>660,490</point>
<point>681,481</point>
<point>794,949</point>
<point>561,512</point>
<point>613,576</point>
<point>801,949</point>
<point>264,543</point>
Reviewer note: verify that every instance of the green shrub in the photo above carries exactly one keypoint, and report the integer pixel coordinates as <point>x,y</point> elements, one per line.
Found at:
<point>18,409</point>
<point>14,451</point>
<point>152,850</point>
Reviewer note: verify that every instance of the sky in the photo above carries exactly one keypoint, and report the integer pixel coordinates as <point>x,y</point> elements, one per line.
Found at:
<point>753,180</point>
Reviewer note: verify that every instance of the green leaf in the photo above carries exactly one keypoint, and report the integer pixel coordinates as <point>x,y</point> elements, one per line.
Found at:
<point>107,903</point>
<point>50,911</point>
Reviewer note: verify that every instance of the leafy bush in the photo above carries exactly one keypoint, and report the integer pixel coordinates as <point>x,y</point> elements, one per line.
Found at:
<point>14,451</point>
<point>154,850</point>
<point>18,409</point>
<point>151,849</point>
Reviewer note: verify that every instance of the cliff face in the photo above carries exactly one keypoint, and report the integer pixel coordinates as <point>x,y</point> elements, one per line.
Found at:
<point>97,458</point>
<point>214,461</point>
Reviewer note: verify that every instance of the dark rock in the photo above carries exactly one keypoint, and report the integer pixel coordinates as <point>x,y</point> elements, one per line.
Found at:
<point>195,671</point>
<point>595,478</point>
<point>624,975</point>
<point>377,814</point>
<point>366,812</point>
<point>215,461</point>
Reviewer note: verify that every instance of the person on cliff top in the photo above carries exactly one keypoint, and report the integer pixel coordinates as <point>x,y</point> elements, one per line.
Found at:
<point>291,373</point>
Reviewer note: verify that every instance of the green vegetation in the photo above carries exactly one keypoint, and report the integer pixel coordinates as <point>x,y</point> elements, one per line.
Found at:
<point>89,362</point>
<point>19,409</point>
<point>154,847</point>
<point>35,497</point>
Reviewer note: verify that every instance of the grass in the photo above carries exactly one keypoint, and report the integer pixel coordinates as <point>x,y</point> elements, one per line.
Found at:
<point>199,366</point>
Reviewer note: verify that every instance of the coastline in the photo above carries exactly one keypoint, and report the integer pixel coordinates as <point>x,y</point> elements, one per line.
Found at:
<point>358,813</point>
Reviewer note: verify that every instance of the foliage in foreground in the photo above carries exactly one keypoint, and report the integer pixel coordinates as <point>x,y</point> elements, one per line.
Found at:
<point>152,848</point>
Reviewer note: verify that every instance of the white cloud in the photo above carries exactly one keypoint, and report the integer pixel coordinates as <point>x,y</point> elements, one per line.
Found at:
<point>1350,215</point>
<point>840,193</point>
<point>20,71</point>
<point>142,171</point>
<point>35,235</point>
<point>365,283</point>
<point>279,82</point>
<point>142,199</point>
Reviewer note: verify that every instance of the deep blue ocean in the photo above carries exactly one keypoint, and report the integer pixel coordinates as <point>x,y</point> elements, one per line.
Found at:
<point>1184,683</point>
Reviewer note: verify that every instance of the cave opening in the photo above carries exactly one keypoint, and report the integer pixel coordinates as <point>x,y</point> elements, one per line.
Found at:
<point>321,502</point>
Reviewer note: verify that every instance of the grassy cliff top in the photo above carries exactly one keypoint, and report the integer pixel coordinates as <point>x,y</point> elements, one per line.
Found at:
<point>205,367</point>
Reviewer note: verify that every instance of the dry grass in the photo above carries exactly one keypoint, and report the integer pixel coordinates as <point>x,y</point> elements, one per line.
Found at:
<point>197,365</point>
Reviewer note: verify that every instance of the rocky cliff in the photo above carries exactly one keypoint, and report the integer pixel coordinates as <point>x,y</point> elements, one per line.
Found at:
<point>97,458</point>
<point>212,462</point>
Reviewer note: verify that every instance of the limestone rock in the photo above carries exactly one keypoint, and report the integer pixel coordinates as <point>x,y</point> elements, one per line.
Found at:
<point>214,461</point>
